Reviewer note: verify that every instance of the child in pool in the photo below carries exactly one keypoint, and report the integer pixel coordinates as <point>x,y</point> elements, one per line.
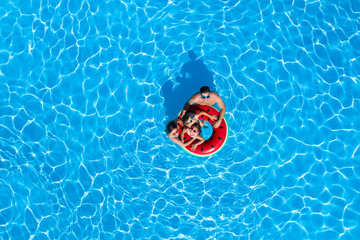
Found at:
<point>194,132</point>
<point>172,131</point>
<point>190,118</point>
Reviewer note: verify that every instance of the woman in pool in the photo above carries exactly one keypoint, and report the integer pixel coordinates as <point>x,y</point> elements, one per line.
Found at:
<point>194,132</point>
<point>172,131</point>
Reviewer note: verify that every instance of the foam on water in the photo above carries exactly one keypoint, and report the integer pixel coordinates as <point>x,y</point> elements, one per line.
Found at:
<point>87,87</point>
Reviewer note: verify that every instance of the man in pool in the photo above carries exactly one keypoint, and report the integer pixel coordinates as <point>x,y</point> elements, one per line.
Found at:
<point>206,97</point>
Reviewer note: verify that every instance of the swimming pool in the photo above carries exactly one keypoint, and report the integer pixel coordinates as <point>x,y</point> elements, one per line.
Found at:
<point>87,87</point>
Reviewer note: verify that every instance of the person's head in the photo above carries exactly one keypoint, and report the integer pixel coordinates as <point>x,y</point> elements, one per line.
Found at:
<point>192,55</point>
<point>205,92</point>
<point>188,119</point>
<point>194,130</point>
<point>171,128</point>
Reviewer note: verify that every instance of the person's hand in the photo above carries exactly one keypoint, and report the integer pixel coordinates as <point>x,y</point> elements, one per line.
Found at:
<point>213,117</point>
<point>193,147</point>
<point>216,124</point>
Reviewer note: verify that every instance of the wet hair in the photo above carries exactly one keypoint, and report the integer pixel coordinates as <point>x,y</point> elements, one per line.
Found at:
<point>198,126</point>
<point>170,126</point>
<point>204,89</point>
<point>186,117</point>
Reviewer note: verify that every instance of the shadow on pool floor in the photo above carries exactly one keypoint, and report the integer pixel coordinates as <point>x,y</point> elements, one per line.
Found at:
<point>194,76</point>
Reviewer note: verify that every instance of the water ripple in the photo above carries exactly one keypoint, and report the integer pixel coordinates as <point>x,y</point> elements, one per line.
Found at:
<point>83,150</point>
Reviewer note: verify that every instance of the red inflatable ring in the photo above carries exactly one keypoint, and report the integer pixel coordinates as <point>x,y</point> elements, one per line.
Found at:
<point>217,139</point>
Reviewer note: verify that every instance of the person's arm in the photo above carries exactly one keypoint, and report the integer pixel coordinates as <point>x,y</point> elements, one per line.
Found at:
<point>213,117</point>
<point>179,121</point>
<point>183,131</point>
<point>180,143</point>
<point>222,111</point>
<point>191,101</point>
<point>201,140</point>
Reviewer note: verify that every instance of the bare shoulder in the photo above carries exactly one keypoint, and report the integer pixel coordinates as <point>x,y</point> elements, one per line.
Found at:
<point>216,96</point>
<point>195,98</point>
<point>218,99</point>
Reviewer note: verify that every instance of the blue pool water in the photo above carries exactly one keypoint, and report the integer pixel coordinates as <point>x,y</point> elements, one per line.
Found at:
<point>87,87</point>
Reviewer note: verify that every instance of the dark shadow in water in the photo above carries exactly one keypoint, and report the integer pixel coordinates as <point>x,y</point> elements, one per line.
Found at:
<point>194,76</point>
